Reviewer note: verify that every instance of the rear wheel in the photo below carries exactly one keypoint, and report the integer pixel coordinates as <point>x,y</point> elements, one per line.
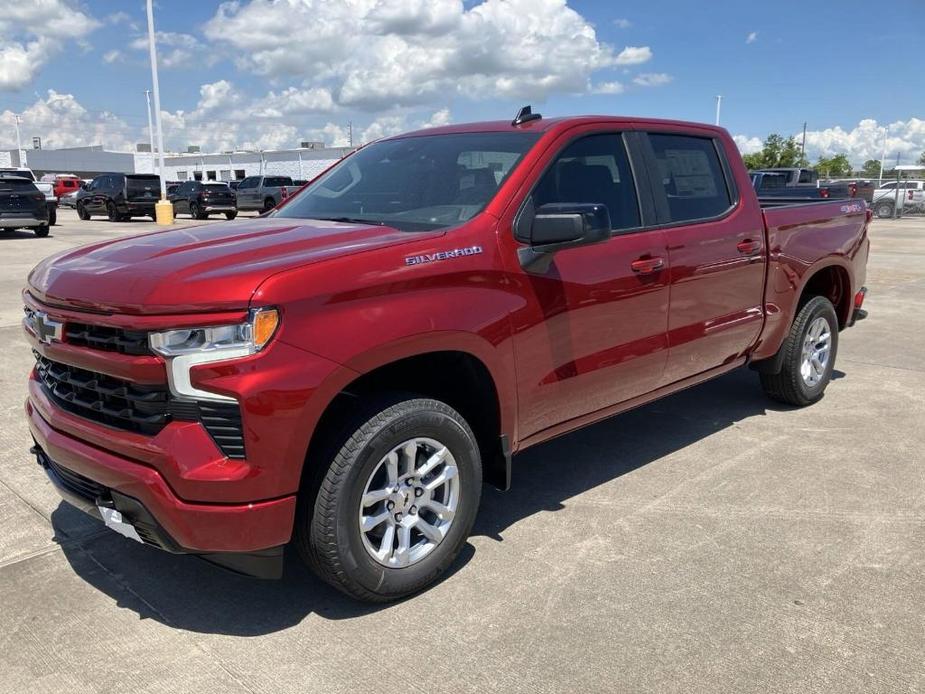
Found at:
<point>268,204</point>
<point>808,356</point>
<point>52,216</point>
<point>41,231</point>
<point>82,212</point>
<point>196,211</point>
<point>884,210</point>
<point>112,213</point>
<point>397,502</point>
<point>230,215</point>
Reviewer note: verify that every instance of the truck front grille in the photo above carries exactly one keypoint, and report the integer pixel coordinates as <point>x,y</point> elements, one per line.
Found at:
<point>108,339</point>
<point>112,401</point>
<point>144,409</point>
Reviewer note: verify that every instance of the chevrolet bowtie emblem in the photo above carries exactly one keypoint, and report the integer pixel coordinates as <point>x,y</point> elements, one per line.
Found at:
<point>46,329</point>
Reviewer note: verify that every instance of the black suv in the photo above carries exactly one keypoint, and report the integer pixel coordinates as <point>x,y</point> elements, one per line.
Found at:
<point>119,196</point>
<point>199,199</point>
<point>22,205</point>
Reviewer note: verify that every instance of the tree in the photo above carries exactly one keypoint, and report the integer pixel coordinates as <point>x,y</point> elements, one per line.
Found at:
<point>922,159</point>
<point>777,151</point>
<point>834,167</point>
<point>871,168</point>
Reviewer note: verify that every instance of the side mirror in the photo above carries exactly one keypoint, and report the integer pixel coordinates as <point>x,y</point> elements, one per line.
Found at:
<point>557,226</point>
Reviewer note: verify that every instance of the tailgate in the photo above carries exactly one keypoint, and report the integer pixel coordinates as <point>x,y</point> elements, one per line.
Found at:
<point>19,196</point>
<point>142,188</point>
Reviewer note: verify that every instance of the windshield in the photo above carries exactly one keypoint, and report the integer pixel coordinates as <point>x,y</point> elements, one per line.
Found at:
<point>415,183</point>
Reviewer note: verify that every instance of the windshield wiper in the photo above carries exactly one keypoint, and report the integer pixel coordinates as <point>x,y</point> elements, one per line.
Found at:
<point>351,220</point>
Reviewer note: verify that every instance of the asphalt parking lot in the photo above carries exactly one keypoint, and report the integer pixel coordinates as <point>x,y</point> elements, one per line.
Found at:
<point>712,541</point>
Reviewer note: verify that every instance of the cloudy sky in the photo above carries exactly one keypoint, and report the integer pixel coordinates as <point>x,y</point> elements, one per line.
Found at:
<point>265,73</point>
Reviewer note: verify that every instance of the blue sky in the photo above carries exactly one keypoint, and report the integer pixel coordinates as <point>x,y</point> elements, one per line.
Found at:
<point>258,73</point>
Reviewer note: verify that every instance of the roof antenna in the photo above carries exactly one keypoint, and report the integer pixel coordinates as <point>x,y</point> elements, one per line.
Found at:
<point>525,115</point>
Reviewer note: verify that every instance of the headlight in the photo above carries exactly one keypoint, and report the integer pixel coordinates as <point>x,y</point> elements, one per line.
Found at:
<point>189,347</point>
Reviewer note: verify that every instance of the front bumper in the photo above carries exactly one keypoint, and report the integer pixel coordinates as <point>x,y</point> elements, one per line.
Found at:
<point>247,538</point>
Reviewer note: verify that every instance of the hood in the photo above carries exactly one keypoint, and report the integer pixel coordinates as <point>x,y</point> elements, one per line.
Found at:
<point>215,267</point>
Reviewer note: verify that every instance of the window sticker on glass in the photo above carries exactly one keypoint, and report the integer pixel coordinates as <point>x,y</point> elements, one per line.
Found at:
<point>691,172</point>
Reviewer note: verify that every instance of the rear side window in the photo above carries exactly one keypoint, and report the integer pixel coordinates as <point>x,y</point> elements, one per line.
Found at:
<point>275,182</point>
<point>692,176</point>
<point>594,169</point>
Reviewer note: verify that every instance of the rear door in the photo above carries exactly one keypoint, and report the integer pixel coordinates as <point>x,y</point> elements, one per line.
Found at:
<point>593,330</point>
<point>716,251</point>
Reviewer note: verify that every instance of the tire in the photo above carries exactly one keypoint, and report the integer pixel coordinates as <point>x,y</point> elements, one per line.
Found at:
<point>328,533</point>
<point>52,216</point>
<point>268,204</point>
<point>42,231</point>
<point>196,211</point>
<point>82,212</point>
<point>230,215</point>
<point>112,213</point>
<point>884,210</point>
<point>800,382</point>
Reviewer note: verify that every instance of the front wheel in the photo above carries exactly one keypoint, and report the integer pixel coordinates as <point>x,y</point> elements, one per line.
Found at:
<point>884,210</point>
<point>397,502</point>
<point>82,212</point>
<point>41,231</point>
<point>808,356</point>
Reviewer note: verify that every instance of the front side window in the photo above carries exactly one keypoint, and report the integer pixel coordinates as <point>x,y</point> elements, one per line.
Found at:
<point>594,169</point>
<point>414,183</point>
<point>692,175</point>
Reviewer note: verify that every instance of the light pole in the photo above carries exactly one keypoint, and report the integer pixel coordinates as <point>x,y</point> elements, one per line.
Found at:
<point>150,127</point>
<point>20,152</point>
<point>719,103</point>
<point>163,210</point>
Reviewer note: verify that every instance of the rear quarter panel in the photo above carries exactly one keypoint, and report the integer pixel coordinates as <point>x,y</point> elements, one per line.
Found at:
<point>802,240</point>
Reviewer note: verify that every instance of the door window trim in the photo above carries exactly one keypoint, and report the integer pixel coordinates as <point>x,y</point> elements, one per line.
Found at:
<point>658,189</point>
<point>630,145</point>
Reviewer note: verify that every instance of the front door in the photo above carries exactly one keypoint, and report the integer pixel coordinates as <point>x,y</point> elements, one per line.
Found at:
<point>593,331</point>
<point>716,251</point>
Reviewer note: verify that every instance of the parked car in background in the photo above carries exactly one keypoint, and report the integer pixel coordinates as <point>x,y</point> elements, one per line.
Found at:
<point>66,183</point>
<point>911,198</point>
<point>777,185</point>
<point>119,196</point>
<point>263,192</point>
<point>47,189</point>
<point>171,187</point>
<point>69,199</point>
<point>346,371</point>
<point>234,184</point>
<point>805,179</point>
<point>199,199</point>
<point>22,204</point>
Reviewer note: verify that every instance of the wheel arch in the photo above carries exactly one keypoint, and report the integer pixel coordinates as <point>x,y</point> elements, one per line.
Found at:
<point>460,376</point>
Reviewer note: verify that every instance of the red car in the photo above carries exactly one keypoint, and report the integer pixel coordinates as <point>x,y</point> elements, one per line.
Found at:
<point>346,371</point>
<point>66,184</point>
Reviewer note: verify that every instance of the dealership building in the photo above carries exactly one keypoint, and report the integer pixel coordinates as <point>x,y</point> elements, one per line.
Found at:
<point>304,162</point>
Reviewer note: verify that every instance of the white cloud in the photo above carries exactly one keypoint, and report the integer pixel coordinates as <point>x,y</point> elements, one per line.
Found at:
<point>862,142</point>
<point>752,37</point>
<point>608,88</point>
<point>400,53</point>
<point>113,56</point>
<point>62,122</point>
<point>32,33</point>
<point>622,23</point>
<point>176,50</point>
<point>634,55</point>
<point>748,145</point>
<point>652,79</point>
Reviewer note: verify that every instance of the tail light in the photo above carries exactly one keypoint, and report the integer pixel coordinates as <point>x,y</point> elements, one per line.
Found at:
<point>39,197</point>
<point>852,189</point>
<point>284,192</point>
<point>823,192</point>
<point>859,298</point>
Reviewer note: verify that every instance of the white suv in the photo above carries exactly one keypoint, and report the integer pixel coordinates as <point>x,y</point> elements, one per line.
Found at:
<point>911,198</point>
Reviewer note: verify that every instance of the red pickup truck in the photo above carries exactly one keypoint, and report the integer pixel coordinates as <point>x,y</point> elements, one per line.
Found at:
<point>345,372</point>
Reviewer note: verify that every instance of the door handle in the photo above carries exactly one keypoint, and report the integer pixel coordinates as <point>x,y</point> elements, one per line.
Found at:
<point>748,246</point>
<point>646,266</point>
